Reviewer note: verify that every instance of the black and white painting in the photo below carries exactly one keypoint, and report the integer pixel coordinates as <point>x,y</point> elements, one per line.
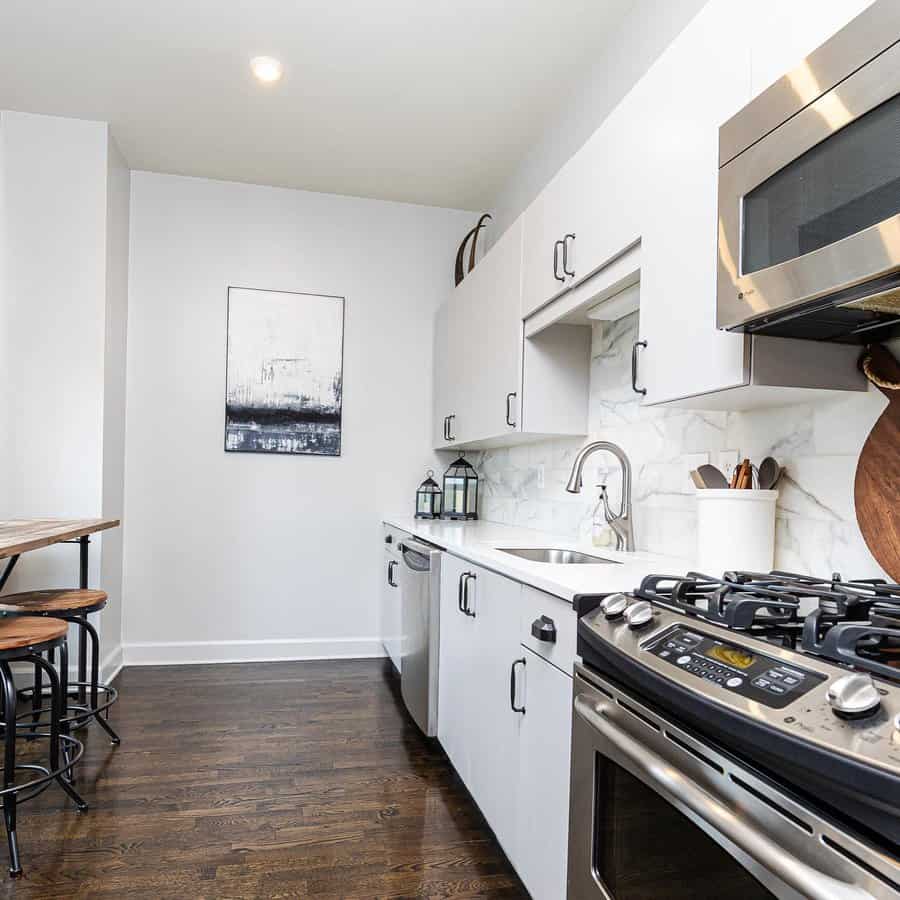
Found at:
<point>284,372</point>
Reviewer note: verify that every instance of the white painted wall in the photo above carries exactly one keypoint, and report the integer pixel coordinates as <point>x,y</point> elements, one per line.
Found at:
<point>59,358</point>
<point>248,556</point>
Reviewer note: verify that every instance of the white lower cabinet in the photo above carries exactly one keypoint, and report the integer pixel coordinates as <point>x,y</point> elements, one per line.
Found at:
<point>389,595</point>
<point>542,827</point>
<point>515,763</point>
<point>495,768</point>
<point>457,690</point>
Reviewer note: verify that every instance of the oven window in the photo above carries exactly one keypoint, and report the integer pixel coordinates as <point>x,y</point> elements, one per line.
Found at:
<point>844,184</point>
<point>646,849</point>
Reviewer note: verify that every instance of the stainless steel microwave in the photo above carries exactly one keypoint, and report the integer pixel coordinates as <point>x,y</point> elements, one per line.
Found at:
<point>809,193</point>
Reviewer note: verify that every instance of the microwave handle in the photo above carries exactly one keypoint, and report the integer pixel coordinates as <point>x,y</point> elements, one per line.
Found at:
<point>665,778</point>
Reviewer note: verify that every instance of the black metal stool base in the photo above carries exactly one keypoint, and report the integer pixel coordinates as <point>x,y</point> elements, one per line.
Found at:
<point>64,750</point>
<point>20,793</point>
<point>76,715</point>
<point>87,692</point>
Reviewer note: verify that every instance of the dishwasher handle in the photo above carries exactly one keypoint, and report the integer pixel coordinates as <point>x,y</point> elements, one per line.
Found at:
<point>416,556</point>
<point>666,779</point>
<point>390,573</point>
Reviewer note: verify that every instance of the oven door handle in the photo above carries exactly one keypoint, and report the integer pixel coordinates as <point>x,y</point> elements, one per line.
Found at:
<point>678,789</point>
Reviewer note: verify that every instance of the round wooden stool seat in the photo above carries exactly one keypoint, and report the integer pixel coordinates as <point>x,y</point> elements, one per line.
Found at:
<point>62,600</point>
<point>26,631</point>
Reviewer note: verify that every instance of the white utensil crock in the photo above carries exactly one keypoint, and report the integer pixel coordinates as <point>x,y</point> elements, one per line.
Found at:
<point>735,530</point>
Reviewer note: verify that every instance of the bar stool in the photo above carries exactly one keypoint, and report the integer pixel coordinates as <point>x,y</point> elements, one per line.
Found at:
<point>70,605</point>
<point>24,639</point>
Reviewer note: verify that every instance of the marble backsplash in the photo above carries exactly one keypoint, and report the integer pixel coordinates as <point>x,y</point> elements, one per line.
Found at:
<point>816,529</point>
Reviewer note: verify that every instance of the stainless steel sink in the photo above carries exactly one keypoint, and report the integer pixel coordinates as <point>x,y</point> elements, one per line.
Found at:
<point>557,557</point>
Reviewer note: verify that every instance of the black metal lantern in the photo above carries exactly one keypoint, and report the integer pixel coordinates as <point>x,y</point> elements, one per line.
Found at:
<point>460,491</point>
<point>428,498</point>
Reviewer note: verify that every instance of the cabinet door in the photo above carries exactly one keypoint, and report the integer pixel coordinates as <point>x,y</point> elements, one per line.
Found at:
<point>390,606</point>
<point>542,837</point>
<point>457,716</point>
<point>685,354</point>
<point>490,312</point>
<point>544,223</point>
<point>607,177</point>
<point>495,762</point>
<point>442,381</point>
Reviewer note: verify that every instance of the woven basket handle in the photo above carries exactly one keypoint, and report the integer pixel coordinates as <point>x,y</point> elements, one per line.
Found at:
<point>881,368</point>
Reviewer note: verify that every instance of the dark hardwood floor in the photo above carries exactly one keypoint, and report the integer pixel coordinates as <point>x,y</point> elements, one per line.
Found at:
<point>261,780</point>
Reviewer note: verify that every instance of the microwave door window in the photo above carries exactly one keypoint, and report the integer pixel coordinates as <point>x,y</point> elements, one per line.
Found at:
<point>646,849</point>
<point>846,183</point>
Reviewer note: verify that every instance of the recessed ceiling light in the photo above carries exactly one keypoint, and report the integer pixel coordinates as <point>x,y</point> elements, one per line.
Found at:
<point>266,68</point>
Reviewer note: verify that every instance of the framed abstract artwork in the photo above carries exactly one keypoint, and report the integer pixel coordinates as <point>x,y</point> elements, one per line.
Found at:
<point>284,372</point>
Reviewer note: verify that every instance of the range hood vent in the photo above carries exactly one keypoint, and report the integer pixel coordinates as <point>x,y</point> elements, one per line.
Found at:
<point>856,315</point>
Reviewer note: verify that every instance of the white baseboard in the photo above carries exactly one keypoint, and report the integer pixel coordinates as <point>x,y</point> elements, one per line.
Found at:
<point>109,668</point>
<point>177,653</point>
<point>111,665</point>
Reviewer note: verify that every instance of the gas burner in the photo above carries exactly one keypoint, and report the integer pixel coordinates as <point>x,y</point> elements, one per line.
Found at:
<point>855,623</point>
<point>741,601</point>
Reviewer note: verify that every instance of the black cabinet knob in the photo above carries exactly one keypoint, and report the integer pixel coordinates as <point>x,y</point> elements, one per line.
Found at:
<point>389,539</point>
<point>544,629</point>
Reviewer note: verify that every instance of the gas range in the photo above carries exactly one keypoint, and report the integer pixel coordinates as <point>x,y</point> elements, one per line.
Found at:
<point>794,678</point>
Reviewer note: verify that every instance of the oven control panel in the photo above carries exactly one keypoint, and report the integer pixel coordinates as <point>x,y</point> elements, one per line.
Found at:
<point>734,667</point>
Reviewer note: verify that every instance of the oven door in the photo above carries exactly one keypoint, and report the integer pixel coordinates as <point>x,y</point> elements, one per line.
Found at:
<point>813,208</point>
<point>656,813</point>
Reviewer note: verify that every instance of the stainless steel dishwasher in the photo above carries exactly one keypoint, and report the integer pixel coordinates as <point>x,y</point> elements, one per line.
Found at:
<point>420,585</point>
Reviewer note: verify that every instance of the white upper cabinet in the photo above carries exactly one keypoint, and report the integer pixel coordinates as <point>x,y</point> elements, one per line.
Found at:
<point>444,375</point>
<point>545,225</point>
<point>487,306</point>
<point>649,176</point>
<point>491,385</point>
<point>699,82</point>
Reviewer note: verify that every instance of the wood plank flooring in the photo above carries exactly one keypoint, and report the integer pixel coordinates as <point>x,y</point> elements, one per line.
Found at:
<point>261,780</point>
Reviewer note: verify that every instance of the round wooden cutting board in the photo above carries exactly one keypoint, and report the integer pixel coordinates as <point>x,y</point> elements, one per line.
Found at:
<point>877,488</point>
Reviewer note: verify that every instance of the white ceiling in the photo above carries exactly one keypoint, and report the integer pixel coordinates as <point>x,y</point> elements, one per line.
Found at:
<point>429,101</point>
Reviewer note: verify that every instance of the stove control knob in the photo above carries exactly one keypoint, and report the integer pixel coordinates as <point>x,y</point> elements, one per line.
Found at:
<point>638,614</point>
<point>613,605</point>
<point>854,696</point>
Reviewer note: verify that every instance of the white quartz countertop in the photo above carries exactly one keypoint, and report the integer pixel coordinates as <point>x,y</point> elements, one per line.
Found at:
<point>480,543</point>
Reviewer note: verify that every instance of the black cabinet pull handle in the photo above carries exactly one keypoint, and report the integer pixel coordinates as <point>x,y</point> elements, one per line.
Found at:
<point>556,274</point>
<point>509,398</point>
<point>512,685</point>
<point>565,260</point>
<point>467,577</point>
<point>459,593</point>
<point>634,363</point>
<point>445,428</point>
<point>544,629</point>
<point>450,435</point>
<point>391,565</point>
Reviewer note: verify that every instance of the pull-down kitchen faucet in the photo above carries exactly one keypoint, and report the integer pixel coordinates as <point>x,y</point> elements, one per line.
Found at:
<point>621,524</point>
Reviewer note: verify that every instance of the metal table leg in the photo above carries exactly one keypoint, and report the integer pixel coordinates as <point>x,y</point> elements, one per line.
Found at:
<point>83,543</point>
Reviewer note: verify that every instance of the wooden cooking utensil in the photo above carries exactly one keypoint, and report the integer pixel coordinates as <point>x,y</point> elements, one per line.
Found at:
<point>877,487</point>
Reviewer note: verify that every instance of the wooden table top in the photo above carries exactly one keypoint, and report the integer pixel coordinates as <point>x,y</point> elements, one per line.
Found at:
<point>22,535</point>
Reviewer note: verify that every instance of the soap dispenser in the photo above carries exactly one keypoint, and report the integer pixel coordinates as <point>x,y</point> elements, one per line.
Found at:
<point>601,534</point>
